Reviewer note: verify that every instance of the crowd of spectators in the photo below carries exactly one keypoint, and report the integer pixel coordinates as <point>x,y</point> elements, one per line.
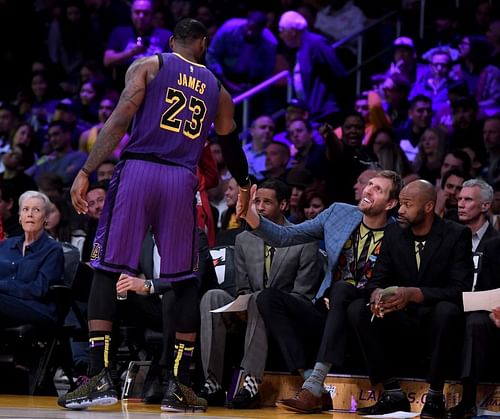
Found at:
<point>429,110</point>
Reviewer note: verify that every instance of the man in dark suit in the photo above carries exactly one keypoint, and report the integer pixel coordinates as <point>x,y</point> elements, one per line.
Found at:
<point>292,269</point>
<point>317,73</point>
<point>482,336</point>
<point>429,260</point>
<point>474,204</point>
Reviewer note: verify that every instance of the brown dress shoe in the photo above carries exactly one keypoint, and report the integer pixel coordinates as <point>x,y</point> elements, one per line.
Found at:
<point>303,402</point>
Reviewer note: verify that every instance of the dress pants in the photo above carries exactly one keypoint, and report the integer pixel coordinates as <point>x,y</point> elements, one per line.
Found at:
<point>439,327</point>
<point>291,320</point>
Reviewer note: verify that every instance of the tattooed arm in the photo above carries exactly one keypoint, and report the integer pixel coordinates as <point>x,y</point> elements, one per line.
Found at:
<point>139,74</point>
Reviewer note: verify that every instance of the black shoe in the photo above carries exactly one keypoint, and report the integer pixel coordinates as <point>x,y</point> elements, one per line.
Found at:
<point>217,398</point>
<point>181,398</point>
<point>326,401</point>
<point>243,400</point>
<point>461,411</point>
<point>154,394</point>
<point>97,391</point>
<point>433,408</point>
<point>390,401</point>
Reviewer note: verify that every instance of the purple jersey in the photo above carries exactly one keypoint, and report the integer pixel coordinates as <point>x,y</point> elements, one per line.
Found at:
<point>178,109</point>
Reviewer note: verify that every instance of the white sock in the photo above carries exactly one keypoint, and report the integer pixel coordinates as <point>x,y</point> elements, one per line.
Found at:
<point>211,384</point>
<point>251,384</point>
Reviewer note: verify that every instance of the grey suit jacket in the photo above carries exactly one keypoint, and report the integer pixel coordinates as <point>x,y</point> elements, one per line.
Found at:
<point>295,269</point>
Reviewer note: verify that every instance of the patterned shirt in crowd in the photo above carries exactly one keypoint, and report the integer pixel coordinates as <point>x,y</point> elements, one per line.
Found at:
<point>348,264</point>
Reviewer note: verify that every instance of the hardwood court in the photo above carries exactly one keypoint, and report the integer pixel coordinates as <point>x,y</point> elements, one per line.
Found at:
<point>46,407</point>
<point>348,392</point>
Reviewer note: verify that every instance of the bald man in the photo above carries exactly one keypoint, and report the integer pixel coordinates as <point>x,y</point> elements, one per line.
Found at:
<point>429,260</point>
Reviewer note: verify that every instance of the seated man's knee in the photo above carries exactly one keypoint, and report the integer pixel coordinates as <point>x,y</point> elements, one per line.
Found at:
<point>357,312</point>
<point>341,288</point>
<point>447,312</point>
<point>213,299</point>
<point>252,305</point>
<point>267,299</point>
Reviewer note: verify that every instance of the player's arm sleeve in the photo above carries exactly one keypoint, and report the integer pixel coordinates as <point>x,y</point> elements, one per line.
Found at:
<point>235,157</point>
<point>227,132</point>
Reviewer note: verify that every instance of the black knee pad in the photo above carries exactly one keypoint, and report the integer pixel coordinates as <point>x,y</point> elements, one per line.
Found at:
<point>187,306</point>
<point>102,300</point>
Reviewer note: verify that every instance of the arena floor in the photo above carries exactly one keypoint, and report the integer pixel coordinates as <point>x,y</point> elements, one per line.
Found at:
<point>46,407</point>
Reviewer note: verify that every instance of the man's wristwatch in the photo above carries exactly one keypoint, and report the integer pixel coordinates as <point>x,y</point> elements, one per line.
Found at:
<point>147,285</point>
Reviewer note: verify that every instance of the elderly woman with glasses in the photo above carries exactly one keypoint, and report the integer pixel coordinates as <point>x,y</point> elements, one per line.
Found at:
<point>29,265</point>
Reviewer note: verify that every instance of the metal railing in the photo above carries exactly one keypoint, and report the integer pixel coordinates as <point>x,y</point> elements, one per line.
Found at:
<point>245,97</point>
<point>360,63</point>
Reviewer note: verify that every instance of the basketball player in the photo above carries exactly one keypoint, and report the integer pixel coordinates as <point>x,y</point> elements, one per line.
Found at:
<point>173,100</point>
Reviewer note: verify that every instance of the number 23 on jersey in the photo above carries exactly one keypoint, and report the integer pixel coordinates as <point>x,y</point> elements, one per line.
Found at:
<point>177,100</point>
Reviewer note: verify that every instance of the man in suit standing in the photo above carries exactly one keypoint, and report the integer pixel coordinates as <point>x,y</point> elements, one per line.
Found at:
<point>296,323</point>
<point>293,269</point>
<point>482,336</point>
<point>429,260</point>
<point>474,204</point>
<point>316,72</point>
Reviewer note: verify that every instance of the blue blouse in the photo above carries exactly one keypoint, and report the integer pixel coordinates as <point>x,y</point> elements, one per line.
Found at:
<point>29,277</point>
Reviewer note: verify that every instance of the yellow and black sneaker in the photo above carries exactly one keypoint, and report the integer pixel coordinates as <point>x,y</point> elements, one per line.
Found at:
<point>97,391</point>
<point>181,398</point>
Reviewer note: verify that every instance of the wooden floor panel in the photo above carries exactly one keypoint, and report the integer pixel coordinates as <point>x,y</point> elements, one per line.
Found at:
<point>46,407</point>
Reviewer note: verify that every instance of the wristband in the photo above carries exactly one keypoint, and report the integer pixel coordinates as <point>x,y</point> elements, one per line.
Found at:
<point>248,185</point>
<point>85,171</point>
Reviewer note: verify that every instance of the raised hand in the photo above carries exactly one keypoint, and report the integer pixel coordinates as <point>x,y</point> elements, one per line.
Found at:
<point>246,209</point>
<point>243,201</point>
